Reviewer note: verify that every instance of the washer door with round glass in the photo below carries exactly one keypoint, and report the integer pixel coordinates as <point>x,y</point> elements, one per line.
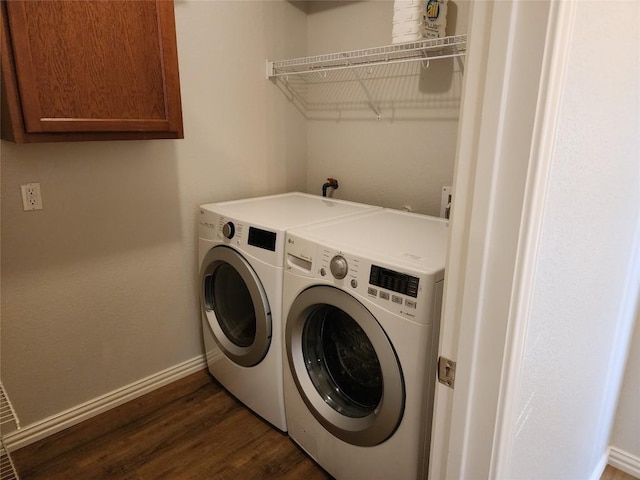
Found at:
<point>344,366</point>
<point>236,306</point>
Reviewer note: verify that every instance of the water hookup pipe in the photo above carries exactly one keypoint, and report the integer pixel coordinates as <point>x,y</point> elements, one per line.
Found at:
<point>331,183</point>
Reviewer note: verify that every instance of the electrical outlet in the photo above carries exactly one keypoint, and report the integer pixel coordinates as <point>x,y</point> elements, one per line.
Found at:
<point>445,202</point>
<point>31,197</point>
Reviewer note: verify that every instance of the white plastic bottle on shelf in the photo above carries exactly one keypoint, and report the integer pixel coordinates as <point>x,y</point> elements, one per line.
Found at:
<point>408,20</point>
<point>435,19</point>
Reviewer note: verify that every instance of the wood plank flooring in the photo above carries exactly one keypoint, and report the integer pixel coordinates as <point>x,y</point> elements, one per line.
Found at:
<point>190,429</point>
<point>611,473</point>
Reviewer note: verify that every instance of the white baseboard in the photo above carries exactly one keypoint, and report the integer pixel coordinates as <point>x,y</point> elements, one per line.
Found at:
<point>602,464</point>
<point>624,461</point>
<point>37,431</point>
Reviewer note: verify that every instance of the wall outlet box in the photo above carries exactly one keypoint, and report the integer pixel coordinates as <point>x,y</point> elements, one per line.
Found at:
<point>31,197</point>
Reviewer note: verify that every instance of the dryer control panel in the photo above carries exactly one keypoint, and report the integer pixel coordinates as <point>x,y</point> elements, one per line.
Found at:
<point>255,240</point>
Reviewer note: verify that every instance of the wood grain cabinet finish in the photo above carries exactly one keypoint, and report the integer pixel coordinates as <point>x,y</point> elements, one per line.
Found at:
<point>89,70</point>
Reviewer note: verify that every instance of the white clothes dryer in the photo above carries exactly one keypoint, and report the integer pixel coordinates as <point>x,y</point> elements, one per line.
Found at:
<point>241,255</point>
<point>361,302</point>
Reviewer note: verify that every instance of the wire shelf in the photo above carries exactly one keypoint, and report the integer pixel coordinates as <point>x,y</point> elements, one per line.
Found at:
<point>422,50</point>
<point>7,413</point>
<point>7,417</point>
<point>378,78</point>
<point>7,469</point>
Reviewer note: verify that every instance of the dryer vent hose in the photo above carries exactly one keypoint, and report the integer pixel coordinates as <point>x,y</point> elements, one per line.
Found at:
<point>331,183</point>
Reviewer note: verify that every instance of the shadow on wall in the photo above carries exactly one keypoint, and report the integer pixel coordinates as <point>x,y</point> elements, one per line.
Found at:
<point>319,5</point>
<point>438,77</point>
<point>452,18</point>
<point>98,199</point>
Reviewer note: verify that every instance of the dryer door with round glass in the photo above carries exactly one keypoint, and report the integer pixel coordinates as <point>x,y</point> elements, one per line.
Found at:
<point>344,366</point>
<point>236,306</point>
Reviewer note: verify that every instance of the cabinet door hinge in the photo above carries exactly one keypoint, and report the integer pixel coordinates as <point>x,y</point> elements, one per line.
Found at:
<point>446,371</point>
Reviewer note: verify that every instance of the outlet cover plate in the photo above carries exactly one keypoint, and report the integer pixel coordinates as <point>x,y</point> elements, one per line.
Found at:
<point>31,197</point>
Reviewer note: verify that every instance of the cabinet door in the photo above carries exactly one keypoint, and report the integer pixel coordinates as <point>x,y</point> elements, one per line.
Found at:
<point>93,66</point>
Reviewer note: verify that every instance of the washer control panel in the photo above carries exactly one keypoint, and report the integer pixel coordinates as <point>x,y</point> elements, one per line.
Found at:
<point>395,281</point>
<point>403,293</point>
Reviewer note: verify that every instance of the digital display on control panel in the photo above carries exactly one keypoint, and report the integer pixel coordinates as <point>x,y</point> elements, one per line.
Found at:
<point>262,239</point>
<point>394,281</point>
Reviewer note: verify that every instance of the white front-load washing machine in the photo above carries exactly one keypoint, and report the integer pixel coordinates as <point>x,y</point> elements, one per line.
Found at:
<point>241,255</point>
<point>361,302</point>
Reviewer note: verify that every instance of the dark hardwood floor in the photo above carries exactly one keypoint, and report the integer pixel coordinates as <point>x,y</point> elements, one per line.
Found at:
<point>190,429</point>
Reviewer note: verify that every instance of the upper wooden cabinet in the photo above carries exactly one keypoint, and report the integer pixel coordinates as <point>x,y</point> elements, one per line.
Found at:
<point>89,70</point>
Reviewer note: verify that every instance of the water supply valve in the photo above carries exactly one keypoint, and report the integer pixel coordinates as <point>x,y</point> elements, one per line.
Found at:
<point>331,183</point>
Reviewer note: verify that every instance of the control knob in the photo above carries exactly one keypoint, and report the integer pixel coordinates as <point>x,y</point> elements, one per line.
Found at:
<point>339,267</point>
<point>228,230</point>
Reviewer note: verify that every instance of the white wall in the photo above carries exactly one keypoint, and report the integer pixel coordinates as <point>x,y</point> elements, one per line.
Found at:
<point>407,156</point>
<point>586,276</point>
<point>99,288</point>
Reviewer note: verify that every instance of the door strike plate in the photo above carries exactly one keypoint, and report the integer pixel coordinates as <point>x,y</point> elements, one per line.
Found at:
<point>446,371</point>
